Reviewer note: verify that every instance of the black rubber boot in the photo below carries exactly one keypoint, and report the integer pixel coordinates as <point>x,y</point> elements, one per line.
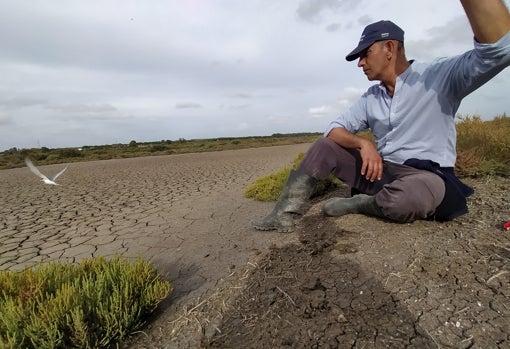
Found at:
<point>293,201</point>
<point>361,203</point>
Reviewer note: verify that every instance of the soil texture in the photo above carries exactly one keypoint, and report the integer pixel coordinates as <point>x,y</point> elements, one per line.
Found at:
<point>362,282</point>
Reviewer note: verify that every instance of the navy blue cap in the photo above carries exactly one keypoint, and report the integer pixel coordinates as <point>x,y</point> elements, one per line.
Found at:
<point>382,30</point>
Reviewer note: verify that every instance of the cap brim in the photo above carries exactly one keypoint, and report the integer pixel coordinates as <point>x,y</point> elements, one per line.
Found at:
<point>356,52</point>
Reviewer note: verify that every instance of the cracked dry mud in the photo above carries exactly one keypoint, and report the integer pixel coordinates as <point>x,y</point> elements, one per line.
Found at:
<point>348,282</point>
<point>360,282</point>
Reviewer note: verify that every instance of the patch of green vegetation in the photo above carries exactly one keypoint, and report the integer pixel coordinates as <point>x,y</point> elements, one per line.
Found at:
<point>269,187</point>
<point>44,156</point>
<point>483,147</point>
<point>90,305</point>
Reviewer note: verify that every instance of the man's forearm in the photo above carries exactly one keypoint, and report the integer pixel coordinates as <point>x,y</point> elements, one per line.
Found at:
<point>346,139</point>
<point>489,19</point>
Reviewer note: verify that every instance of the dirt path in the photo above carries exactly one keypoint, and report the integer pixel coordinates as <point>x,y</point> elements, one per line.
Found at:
<point>334,283</point>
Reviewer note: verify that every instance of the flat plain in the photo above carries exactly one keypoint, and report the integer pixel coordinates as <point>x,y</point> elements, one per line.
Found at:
<point>352,281</point>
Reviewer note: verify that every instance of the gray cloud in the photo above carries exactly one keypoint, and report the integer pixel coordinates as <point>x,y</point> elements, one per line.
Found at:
<point>90,42</point>
<point>241,95</point>
<point>236,106</point>
<point>20,102</point>
<point>83,108</point>
<point>5,120</point>
<point>365,20</point>
<point>311,10</point>
<point>333,27</point>
<point>70,74</point>
<point>187,105</point>
<point>451,38</point>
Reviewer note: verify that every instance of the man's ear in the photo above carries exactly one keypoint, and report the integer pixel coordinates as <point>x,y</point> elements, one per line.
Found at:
<point>391,49</point>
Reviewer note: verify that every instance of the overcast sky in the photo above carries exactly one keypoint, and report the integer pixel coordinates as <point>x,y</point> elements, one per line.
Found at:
<point>76,73</point>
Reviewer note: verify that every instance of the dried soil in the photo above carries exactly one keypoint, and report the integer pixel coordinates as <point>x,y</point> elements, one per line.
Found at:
<point>361,282</point>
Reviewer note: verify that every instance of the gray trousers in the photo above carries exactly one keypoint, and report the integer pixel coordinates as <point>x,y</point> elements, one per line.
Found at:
<point>404,193</point>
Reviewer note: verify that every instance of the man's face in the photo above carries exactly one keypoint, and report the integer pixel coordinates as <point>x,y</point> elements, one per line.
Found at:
<point>373,60</point>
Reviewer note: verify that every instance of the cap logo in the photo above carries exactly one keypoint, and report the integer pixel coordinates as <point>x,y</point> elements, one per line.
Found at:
<point>362,37</point>
<point>385,35</point>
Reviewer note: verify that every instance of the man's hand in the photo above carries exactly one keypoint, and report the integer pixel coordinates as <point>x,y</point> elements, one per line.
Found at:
<point>372,167</point>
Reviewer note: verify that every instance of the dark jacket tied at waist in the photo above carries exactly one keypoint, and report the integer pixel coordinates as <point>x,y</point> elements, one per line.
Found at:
<point>454,203</point>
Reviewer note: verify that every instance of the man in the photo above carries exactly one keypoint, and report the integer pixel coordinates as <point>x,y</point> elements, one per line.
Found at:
<point>409,175</point>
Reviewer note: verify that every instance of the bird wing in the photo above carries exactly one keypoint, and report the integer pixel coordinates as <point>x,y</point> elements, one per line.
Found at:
<point>58,174</point>
<point>34,169</point>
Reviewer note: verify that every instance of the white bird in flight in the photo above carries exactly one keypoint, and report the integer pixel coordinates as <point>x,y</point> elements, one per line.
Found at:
<point>38,173</point>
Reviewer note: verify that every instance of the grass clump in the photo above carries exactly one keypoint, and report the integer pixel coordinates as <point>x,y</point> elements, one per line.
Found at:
<point>269,187</point>
<point>483,147</point>
<point>90,305</point>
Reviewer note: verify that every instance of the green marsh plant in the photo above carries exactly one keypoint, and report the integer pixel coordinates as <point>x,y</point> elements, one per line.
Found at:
<point>93,304</point>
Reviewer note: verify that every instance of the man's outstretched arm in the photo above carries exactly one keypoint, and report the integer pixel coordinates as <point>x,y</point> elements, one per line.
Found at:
<point>489,19</point>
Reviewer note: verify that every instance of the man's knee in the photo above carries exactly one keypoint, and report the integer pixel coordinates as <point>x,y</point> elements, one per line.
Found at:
<point>320,158</point>
<point>320,149</point>
<point>412,197</point>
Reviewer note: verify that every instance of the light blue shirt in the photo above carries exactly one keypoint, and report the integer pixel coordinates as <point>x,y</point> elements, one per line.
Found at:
<point>419,120</point>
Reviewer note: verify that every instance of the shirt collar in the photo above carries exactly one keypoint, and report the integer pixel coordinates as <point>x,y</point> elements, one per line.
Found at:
<point>400,79</point>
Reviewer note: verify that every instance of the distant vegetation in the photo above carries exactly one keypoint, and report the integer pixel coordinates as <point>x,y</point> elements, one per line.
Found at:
<point>483,148</point>
<point>44,156</point>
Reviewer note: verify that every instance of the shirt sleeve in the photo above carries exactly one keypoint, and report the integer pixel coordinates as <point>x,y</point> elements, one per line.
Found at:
<point>353,120</point>
<point>467,72</point>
